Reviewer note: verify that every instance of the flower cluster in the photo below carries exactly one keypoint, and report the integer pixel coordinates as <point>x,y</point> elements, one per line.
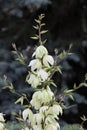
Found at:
<point>40,67</point>
<point>43,102</point>
<point>2,122</point>
<point>45,119</point>
<point>43,97</point>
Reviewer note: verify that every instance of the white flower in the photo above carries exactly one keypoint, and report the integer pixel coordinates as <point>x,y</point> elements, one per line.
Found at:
<point>35,64</point>
<point>54,126</point>
<point>40,52</point>
<point>27,114</point>
<point>37,127</point>
<point>34,80</point>
<point>47,96</point>
<point>48,61</point>
<point>26,128</point>
<point>1,117</point>
<point>2,126</point>
<point>38,118</point>
<point>40,98</point>
<point>54,111</point>
<point>36,100</point>
<point>50,93</point>
<point>49,119</point>
<point>43,74</point>
<point>43,109</point>
<point>35,104</point>
<point>57,109</point>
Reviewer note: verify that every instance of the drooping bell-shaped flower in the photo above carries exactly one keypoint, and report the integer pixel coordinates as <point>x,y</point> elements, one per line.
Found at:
<point>2,118</point>
<point>37,127</point>
<point>2,127</point>
<point>54,126</point>
<point>48,61</point>
<point>43,74</point>
<point>36,100</point>
<point>40,52</point>
<point>27,114</point>
<point>34,80</point>
<point>35,64</point>
<point>38,118</point>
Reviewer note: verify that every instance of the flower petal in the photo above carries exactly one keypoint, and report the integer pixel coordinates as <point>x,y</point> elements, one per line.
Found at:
<point>40,52</point>
<point>48,61</point>
<point>43,74</point>
<point>35,64</point>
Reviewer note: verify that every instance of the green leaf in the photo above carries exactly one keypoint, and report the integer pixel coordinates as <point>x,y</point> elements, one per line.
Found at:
<point>43,24</point>
<point>83,84</point>
<point>84,118</point>
<point>68,91</point>
<point>59,69</point>
<point>62,55</point>
<point>53,84</point>
<point>37,21</point>
<point>14,46</point>
<point>70,46</point>
<point>35,27</point>
<point>86,77</point>
<point>34,38</point>
<point>71,97</point>
<point>21,61</point>
<point>74,87</point>
<point>43,32</point>
<point>20,100</point>
<point>44,41</point>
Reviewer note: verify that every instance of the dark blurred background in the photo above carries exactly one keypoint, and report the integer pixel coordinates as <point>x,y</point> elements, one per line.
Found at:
<point>66,21</point>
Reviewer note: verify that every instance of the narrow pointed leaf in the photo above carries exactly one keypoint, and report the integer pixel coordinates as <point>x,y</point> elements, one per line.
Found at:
<point>37,21</point>
<point>43,32</point>
<point>34,38</point>
<point>35,27</point>
<point>44,41</point>
<point>43,24</point>
<point>20,100</point>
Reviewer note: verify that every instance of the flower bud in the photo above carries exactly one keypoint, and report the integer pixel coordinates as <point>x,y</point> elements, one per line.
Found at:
<point>40,52</point>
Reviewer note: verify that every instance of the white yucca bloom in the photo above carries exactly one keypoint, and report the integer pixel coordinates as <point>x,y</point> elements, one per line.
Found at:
<point>35,102</point>
<point>27,115</point>
<point>34,80</point>
<point>40,98</point>
<point>57,109</point>
<point>43,109</point>
<point>50,93</point>
<point>38,118</point>
<point>37,127</point>
<point>53,126</point>
<point>2,118</point>
<point>42,74</point>
<point>26,128</point>
<point>2,127</point>
<point>48,61</point>
<point>40,52</point>
<point>50,119</point>
<point>35,64</point>
<point>54,110</point>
